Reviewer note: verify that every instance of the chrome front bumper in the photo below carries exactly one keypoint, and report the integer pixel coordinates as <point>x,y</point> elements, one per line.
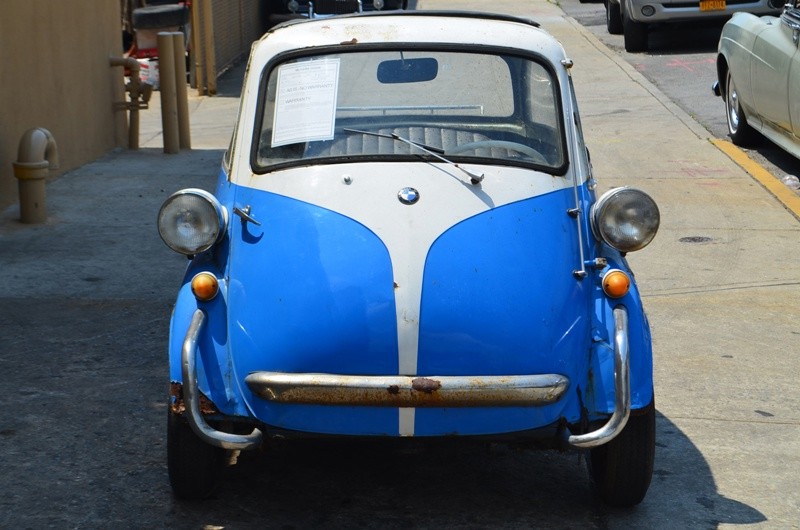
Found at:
<point>191,396</point>
<point>408,391</point>
<point>622,389</point>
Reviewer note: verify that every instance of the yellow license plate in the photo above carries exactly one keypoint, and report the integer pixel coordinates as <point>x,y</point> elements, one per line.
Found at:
<point>712,5</point>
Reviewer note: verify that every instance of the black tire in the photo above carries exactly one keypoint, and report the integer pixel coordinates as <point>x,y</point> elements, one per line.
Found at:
<point>613,18</point>
<point>621,470</point>
<point>635,33</point>
<point>277,6</point>
<point>195,468</point>
<point>739,130</point>
<point>159,16</point>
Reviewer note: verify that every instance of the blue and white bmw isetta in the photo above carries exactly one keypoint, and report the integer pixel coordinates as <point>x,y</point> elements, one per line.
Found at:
<point>405,241</point>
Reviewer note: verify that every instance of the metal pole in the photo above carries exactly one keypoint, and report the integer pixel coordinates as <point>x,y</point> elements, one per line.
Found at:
<point>184,131</point>
<point>169,100</point>
<point>208,51</point>
<point>197,51</point>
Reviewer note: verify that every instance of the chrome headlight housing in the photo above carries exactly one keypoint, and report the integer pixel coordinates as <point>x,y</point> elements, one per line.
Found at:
<point>625,218</point>
<point>191,221</point>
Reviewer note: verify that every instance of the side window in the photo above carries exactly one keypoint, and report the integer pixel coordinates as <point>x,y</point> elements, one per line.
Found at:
<point>230,152</point>
<point>583,156</point>
<point>227,159</point>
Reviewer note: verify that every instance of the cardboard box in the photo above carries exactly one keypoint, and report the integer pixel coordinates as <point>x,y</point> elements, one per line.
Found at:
<point>148,71</point>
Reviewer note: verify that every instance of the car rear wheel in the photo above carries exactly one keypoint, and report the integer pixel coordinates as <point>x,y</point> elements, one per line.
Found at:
<point>739,130</point>
<point>613,18</point>
<point>634,33</point>
<point>194,466</point>
<point>621,470</point>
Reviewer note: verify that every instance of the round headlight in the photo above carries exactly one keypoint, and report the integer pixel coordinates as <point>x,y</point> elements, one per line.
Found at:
<point>191,221</point>
<point>625,218</point>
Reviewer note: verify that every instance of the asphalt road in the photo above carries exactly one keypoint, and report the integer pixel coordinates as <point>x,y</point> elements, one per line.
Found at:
<point>681,62</point>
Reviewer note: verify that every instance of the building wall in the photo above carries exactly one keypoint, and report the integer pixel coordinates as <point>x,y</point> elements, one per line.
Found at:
<point>55,74</point>
<point>236,25</point>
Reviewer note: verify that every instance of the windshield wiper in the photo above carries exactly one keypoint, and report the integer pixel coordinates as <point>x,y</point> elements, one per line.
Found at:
<point>433,151</point>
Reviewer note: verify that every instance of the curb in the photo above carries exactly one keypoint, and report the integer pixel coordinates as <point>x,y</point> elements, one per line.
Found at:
<point>789,199</point>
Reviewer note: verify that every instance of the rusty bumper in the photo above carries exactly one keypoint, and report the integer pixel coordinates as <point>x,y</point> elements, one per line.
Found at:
<point>453,391</point>
<point>409,391</point>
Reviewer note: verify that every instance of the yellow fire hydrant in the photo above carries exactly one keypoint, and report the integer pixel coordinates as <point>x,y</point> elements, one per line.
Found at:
<point>37,154</point>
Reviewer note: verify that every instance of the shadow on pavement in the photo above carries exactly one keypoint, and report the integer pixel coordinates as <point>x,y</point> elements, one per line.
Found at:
<point>684,38</point>
<point>457,484</point>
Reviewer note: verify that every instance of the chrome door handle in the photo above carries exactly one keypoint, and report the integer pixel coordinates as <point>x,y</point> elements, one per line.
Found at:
<point>244,213</point>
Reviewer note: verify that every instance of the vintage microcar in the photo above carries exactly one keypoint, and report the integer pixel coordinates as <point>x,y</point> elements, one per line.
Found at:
<point>405,241</point>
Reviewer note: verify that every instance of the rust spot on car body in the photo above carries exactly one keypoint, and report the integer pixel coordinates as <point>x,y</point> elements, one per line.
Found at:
<point>178,406</point>
<point>423,384</point>
<point>351,41</point>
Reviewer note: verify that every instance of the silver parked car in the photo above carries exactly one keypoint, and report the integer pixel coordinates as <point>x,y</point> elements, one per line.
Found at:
<point>758,72</point>
<point>633,18</point>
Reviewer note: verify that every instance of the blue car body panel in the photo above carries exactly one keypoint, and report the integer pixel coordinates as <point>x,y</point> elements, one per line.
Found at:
<point>311,290</point>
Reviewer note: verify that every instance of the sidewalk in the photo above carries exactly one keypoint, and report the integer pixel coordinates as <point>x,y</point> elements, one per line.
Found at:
<point>721,280</point>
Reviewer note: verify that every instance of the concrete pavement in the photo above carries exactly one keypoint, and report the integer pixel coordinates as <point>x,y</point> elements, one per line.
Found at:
<point>720,283</point>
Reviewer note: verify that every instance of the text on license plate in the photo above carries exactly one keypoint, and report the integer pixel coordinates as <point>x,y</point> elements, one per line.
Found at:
<point>712,5</point>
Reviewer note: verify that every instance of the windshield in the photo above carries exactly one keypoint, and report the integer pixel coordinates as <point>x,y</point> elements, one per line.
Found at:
<point>481,107</point>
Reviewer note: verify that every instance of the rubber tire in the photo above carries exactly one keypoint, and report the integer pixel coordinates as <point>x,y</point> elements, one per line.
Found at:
<point>740,132</point>
<point>159,16</point>
<point>634,33</point>
<point>277,6</point>
<point>621,470</point>
<point>613,18</point>
<point>195,468</point>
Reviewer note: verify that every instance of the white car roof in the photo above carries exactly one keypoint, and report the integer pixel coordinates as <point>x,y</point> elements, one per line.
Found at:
<point>424,27</point>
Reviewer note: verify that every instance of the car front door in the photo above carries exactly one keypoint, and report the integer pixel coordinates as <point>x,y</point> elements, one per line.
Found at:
<point>774,52</point>
<point>792,22</point>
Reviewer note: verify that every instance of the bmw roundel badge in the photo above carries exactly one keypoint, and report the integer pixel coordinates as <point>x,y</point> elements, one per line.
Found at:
<point>408,195</point>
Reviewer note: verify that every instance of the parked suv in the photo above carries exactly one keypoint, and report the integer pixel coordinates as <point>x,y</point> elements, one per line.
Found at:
<point>282,10</point>
<point>633,18</point>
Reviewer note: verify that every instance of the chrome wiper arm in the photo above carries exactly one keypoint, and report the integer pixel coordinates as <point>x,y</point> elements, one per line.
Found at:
<point>433,151</point>
<point>392,136</point>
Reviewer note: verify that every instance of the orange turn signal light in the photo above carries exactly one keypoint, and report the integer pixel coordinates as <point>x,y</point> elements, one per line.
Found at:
<point>616,283</point>
<point>205,286</point>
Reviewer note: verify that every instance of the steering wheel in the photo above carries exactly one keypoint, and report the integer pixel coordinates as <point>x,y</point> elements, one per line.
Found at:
<point>526,150</point>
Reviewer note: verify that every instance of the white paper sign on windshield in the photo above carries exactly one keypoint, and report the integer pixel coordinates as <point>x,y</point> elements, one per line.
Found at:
<point>305,105</point>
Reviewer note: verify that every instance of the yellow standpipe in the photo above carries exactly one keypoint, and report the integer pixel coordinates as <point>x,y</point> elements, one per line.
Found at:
<point>37,154</point>
<point>139,96</point>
